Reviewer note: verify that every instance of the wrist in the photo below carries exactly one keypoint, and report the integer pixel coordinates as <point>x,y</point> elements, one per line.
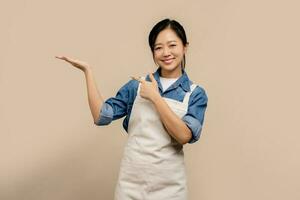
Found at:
<point>156,98</point>
<point>87,69</point>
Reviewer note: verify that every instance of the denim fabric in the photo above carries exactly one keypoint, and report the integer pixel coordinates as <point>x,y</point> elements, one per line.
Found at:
<point>121,105</point>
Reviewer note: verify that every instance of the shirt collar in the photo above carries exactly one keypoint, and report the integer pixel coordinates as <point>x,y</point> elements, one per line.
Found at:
<point>182,81</point>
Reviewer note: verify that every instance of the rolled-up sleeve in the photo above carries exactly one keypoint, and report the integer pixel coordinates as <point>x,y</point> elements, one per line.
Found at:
<point>106,115</point>
<point>194,117</point>
<point>115,107</point>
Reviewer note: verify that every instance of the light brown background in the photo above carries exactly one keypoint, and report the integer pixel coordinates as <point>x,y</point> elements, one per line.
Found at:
<point>244,53</point>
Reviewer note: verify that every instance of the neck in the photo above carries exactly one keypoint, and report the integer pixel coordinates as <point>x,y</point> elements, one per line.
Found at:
<point>177,72</point>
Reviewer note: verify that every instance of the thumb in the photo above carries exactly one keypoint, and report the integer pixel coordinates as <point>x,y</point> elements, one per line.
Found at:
<point>152,78</point>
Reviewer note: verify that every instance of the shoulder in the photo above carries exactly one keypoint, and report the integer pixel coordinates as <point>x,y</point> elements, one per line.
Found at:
<point>198,94</point>
<point>130,85</point>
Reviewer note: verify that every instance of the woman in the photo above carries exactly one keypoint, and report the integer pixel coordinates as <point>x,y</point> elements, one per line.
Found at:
<point>163,110</point>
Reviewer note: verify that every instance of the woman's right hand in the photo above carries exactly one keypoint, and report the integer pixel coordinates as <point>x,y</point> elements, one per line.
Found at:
<point>76,63</point>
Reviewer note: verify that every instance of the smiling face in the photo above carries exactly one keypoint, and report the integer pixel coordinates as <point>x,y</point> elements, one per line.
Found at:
<point>168,53</point>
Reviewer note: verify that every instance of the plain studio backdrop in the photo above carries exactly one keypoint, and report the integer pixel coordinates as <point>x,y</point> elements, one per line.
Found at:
<point>244,53</point>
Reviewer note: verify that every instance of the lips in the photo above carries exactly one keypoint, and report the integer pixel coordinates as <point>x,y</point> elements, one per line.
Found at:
<point>168,61</point>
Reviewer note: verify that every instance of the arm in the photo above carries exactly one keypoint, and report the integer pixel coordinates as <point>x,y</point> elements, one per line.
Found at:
<point>94,97</point>
<point>193,119</point>
<point>173,124</point>
<point>117,106</point>
<point>186,129</point>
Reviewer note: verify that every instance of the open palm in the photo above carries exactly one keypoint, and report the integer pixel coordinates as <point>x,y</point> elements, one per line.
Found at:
<point>76,63</point>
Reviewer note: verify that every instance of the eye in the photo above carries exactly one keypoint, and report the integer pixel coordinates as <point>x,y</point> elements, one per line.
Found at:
<point>157,48</point>
<point>173,45</point>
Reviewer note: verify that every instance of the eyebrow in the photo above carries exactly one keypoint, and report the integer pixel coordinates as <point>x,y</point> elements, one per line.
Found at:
<point>167,42</point>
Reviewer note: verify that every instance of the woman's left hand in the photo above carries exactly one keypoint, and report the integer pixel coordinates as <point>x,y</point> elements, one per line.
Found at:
<point>149,89</point>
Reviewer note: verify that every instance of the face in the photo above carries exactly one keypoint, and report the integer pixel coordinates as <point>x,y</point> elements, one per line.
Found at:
<point>169,51</point>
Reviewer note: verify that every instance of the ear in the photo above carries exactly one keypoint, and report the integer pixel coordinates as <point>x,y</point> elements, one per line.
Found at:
<point>185,47</point>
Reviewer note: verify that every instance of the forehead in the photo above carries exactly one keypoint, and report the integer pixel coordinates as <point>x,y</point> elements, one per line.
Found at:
<point>166,36</point>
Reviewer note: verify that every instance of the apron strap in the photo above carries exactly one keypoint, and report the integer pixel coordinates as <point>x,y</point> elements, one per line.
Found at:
<point>188,94</point>
<point>138,91</point>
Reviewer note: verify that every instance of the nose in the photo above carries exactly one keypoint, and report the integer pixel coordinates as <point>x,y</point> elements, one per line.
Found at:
<point>166,51</point>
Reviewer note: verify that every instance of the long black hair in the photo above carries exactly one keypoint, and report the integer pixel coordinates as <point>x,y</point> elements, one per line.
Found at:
<point>163,24</point>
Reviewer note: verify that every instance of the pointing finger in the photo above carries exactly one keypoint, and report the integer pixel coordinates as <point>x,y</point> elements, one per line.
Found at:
<point>137,79</point>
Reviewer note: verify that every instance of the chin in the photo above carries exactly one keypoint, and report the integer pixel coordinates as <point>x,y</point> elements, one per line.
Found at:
<point>169,67</point>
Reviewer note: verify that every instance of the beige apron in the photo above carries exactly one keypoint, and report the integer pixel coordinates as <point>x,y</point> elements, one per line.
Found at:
<point>152,167</point>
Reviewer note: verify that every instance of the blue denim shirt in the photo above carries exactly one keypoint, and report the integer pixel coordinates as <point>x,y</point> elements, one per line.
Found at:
<point>121,105</point>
